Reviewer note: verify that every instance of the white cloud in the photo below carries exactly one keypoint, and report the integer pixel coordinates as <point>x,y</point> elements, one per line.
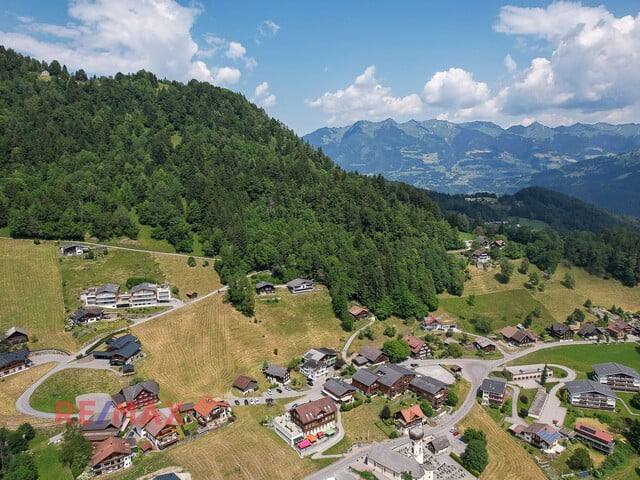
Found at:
<point>263,97</point>
<point>236,51</point>
<point>107,36</point>
<point>510,64</point>
<point>365,98</point>
<point>455,88</point>
<point>268,29</point>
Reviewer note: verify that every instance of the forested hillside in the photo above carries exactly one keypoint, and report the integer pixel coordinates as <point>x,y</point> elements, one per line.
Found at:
<point>101,156</point>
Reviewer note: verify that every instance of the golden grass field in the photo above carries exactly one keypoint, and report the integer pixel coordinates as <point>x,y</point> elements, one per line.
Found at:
<point>201,348</point>
<point>177,273</point>
<point>502,450</point>
<point>11,388</point>
<point>32,293</point>
<point>378,328</point>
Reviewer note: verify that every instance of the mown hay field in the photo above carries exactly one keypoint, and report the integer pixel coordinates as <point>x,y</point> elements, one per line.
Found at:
<point>32,293</point>
<point>11,388</point>
<point>177,273</point>
<point>200,349</point>
<point>506,458</point>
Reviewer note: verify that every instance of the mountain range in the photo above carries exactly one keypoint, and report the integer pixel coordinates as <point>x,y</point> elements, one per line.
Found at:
<point>580,160</point>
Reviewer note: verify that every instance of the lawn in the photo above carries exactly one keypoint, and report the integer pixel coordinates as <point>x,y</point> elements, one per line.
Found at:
<point>378,328</point>
<point>11,388</point>
<point>201,348</point>
<point>32,293</point>
<point>502,448</point>
<point>177,273</point>
<point>46,458</point>
<point>581,357</point>
<point>68,384</point>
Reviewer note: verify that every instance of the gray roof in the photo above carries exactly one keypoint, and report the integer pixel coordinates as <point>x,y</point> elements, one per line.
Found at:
<point>276,371</point>
<point>365,377</point>
<point>10,357</point>
<point>394,461</point>
<point>130,393</point>
<point>440,443</point>
<point>612,368</point>
<point>493,385</point>
<point>338,387</point>
<point>144,286</point>
<point>370,353</point>
<point>298,281</point>
<point>13,330</point>
<point>390,374</point>
<point>115,343</point>
<point>260,285</point>
<point>588,386</point>
<point>108,288</point>
<point>483,342</point>
<point>428,384</point>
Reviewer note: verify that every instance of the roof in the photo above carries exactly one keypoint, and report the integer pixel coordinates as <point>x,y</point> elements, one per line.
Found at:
<point>394,461</point>
<point>112,418</point>
<point>8,358</point>
<point>108,288</point>
<point>242,382</point>
<point>296,282</point>
<point>131,392</point>
<point>576,387</point>
<point>508,331</point>
<point>546,432</point>
<point>108,447</point>
<point>206,405</point>
<point>185,407</point>
<point>160,419</point>
<point>558,328</point>
<point>144,286</point>
<point>356,311</point>
<point>308,412</point>
<point>587,329</point>
<point>127,351</point>
<point>440,443</point>
<point>411,413</point>
<point>118,342</point>
<point>612,368</point>
<point>415,344</point>
<point>428,384</point>
<point>365,377</point>
<point>483,343</point>
<point>14,330</point>
<point>166,476</point>
<point>319,354</point>
<point>276,371</point>
<point>599,434</point>
<point>260,285</point>
<point>338,387</point>
<point>493,385</point>
<point>370,353</point>
<point>390,374</point>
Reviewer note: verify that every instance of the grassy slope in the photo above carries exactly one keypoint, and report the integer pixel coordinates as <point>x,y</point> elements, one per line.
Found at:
<point>176,273</point>
<point>32,292</point>
<point>502,449</point>
<point>47,459</point>
<point>11,388</point>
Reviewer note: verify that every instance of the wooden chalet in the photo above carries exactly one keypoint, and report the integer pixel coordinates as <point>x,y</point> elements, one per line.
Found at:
<point>265,288</point>
<point>120,350</point>
<point>245,384</point>
<point>12,362</point>
<point>137,396</point>
<point>560,331</point>
<point>316,416</point>
<point>359,312</point>
<point>519,338</point>
<point>484,345</point>
<point>410,417</point>
<point>103,425</point>
<point>369,355</point>
<point>300,285</point>
<point>159,426</point>
<point>212,413</point>
<point>419,348</point>
<point>431,389</point>
<point>87,315</point>
<point>277,374</point>
<point>111,455</point>
<point>393,379</point>
<point>15,336</point>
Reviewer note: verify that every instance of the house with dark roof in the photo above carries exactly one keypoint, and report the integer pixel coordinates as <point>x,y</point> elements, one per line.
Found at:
<point>440,445</point>
<point>111,455</point>
<point>300,285</point>
<point>419,348</point>
<point>590,394</point>
<point>598,439</point>
<point>410,417</point>
<point>493,390</point>
<point>430,389</point>
<point>15,336</point>
<point>484,345</point>
<point>316,362</point>
<point>561,331</point>
<point>589,331</point>
<point>277,374</point>
<point>359,312</point>
<point>315,416</point>
<point>138,395</point>
<point>432,323</point>
<point>245,384</point>
<point>265,288</point>
<point>120,350</point>
<point>368,355</point>
<point>72,249</point>
<point>518,338</point>
<point>103,425</point>
<point>211,412</point>
<point>618,377</point>
<point>339,390</point>
<point>617,330</point>
<point>86,315</point>
<point>103,296</point>
<point>540,435</point>
<point>16,361</point>
<point>366,381</point>
<point>393,379</point>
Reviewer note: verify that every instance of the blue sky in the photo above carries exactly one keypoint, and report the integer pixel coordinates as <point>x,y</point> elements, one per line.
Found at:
<point>313,64</point>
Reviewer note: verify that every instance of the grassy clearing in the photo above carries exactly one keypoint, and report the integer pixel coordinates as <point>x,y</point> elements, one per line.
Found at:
<point>581,357</point>
<point>502,449</point>
<point>359,425</point>
<point>378,329</point>
<point>177,273</point>
<point>67,385</point>
<point>201,348</point>
<point>46,458</point>
<point>505,308</point>
<point>32,293</point>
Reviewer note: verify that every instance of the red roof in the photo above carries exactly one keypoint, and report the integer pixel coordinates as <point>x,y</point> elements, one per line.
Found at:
<point>242,382</point>
<point>109,447</point>
<point>409,414</point>
<point>592,432</point>
<point>415,344</point>
<point>207,404</point>
<point>357,311</point>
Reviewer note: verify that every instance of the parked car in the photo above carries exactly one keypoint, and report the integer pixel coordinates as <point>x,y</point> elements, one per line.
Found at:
<point>287,388</point>
<point>279,390</point>
<point>456,433</point>
<point>269,392</point>
<point>414,365</point>
<point>246,402</point>
<point>237,402</point>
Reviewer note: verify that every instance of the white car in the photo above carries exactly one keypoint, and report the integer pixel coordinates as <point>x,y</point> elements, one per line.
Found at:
<point>269,392</point>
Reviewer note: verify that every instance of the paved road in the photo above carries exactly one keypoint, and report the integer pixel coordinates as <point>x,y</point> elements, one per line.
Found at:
<point>345,349</point>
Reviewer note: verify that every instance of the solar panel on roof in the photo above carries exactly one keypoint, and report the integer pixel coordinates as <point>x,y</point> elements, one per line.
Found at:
<point>583,474</point>
<point>588,429</point>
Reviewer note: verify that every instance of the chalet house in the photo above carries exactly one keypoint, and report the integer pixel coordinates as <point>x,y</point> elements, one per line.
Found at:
<point>147,294</point>
<point>590,394</point>
<point>120,350</point>
<point>589,331</point>
<point>431,324</point>
<point>186,410</point>
<point>482,241</point>
<point>317,361</point>
<point>111,455</point>
<point>211,412</point>
<point>265,288</point>
<point>431,389</point>
<point>484,345</point>
<point>300,285</point>
<point>103,296</point>
<point>15,336</point>
<point>393,379</point>
<point>618,377</point>
<point>277,374</point>
<point>480,256</point>
<point>410,417</point>
<point>540,435</point>
<point>369,355</point>
<point>313,369</point>
<point>316,416</point>
<point>419,348</point>
<point>339,390</point>
<point>359,312</point>
<point>617,330</point>
<point>245,384</point>
<point>12,362</point>
<point>387,463</point>
<point>493,391</point>
<point>366,381</point>
<point>72,249</point>
<point>497,244</point>
<point>159,426</point>
<point>518,337</point>
<point>137,396</point>
<point>86,315</point>
<point>103,425</point>
<point>561,331</point>
<point>597,439</point>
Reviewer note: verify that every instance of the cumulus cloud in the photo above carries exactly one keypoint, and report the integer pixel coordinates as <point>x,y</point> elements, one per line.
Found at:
<point>263,97</point>
<point>365,98</point>
<point>455,88</point>
<point>107,36</point>
<point>510,64</point>
<point>236,51</point>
